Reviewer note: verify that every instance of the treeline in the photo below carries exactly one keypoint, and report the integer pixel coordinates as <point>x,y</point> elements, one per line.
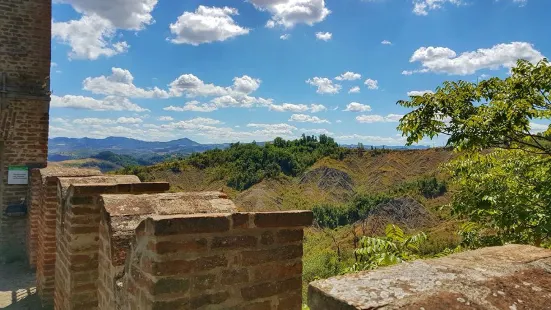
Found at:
<point>243,165</point>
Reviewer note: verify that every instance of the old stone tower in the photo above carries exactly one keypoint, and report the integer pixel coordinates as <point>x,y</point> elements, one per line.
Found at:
<point>25,31</point>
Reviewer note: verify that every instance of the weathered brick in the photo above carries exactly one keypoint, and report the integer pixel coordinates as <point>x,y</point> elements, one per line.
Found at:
<point>277,270</point>
<point>165,247</point>
<point>249,258</point>
<point>290,302</point>
<point>202,282</point>
<point>234,276</point>
<point>233,242</point>
<point>208,299</point>
<point>271,288</point>
<point>168,286</point>
<point>192,224</point>
<point>290,235</point>
<point>267,238</point>
<point>240,220</point>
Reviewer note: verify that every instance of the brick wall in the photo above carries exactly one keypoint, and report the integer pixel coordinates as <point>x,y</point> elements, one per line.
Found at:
<point>216,261</point>
<point>34,200</point>
<point>25,27</point>
<point>48,204</point>
<point>78,224</point>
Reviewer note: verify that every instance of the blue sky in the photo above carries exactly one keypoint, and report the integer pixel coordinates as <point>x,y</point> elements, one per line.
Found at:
<point>226,71</point>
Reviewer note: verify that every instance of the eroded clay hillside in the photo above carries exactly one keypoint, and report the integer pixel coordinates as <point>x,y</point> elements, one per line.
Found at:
<point>327,181</point>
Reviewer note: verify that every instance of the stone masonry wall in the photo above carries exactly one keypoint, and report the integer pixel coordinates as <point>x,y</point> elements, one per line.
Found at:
<point>78,235</point>
<point>25,31</point>
<point>216,261</point>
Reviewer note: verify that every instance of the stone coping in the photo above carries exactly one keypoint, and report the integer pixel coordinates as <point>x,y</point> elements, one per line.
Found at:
<point>506,277</point>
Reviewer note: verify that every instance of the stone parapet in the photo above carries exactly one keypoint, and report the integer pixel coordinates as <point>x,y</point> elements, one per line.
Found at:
<point>507,277</point>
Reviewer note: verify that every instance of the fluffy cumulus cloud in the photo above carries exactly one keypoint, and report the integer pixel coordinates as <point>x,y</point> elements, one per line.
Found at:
<point>206,25</point>
<point>288,13</point>
<point>373,118</point>
<point>245,84</point>
<point>446,60</point>
<point>193,106</point>
<point>315,108</point>
<point>109,103</point>
<point>348,76</point>
<point>94,34</point>
<point>120,83</point>
<point>129,120</point>
<point>303,118</point>
<point>354,90</point>
<point>89,37</point>
<point>324,85</point>
<point>324,36</point>
<point>357,107</point>
<point>386,42</point>
<point>124,14</point>
<point>371,84</point>
<point>416,93</point>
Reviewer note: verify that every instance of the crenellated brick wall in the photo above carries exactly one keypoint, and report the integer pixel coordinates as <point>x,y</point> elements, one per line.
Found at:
<point>45,216</point>
<point>77,238</point>
<point>200,261</point>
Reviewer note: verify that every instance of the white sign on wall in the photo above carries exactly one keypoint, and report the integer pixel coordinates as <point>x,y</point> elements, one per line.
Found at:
<point>18,175</point>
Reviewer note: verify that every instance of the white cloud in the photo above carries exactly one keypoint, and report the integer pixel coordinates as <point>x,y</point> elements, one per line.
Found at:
<point>354,90</point>
<point>537,128</point>
<point>338,121</point>
<point>357,107</point>
<point>165,118</point>
<point>348,76</point>
<point>245,84</point>
<point>373,139</point>
<point>120,83</point>
<point>285,36</point>
<point>324,85</point>
<point>109,103</point>
<point>316,131</point>
<point>386,42</point>
<point>415,93</point>
<point>125,14</point>
<point>93,121</point>
<point>129,120</point>
<point>372,84</point>
<point>421,7</point>
<point>206,25</point>
<point>390,118</point>
<point>275,128</point>
<point>90,37</point>
<point>297,108</point>
<point>193,106</point>
<point>303,118</point>
<point>288,13</point>
<point>315,108</point>
<point>324,36</point>
<point>193,86</point>
<point>445,60</point>
<point>289,107</point>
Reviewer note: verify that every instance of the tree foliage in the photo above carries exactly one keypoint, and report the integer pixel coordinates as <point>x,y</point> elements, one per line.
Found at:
<point>331,216</point>
<point>394,248</point>
<point>505,192</point>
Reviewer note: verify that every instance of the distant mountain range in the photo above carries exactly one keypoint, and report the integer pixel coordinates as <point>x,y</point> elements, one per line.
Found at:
<point>62,148</point>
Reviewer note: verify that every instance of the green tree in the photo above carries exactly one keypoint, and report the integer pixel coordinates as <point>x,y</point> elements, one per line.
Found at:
<point>505,191</point>
<point>394,248</point>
